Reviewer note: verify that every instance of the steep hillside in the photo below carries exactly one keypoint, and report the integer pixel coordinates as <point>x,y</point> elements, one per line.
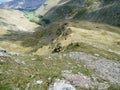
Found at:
<point>78,50</point>
<point>103,11</point>
<point>15,20</point>
<point>48,5</point>
<point>82,36</point>
<point>82,53</point>
<point>14,25</point>
<point>104,14</point>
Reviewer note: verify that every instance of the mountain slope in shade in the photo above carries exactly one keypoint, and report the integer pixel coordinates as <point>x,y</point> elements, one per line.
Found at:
<point>21,4</point>
<point>103,11</point>
<point>48,5</point>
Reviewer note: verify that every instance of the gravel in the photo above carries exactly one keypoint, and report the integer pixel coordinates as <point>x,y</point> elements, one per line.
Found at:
<point>78,80</point>
<point>104,68</point>
<point>83,81</point>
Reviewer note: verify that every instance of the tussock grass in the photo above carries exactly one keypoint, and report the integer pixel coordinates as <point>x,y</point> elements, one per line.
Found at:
<point>15,75</point>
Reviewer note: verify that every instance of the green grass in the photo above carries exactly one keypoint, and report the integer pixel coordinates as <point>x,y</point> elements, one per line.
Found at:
<point>80,12</point>
<point>15,75</point>
<point>81,68</point>
<point>83,47</point>
<point>5,87</point>
<point>32,17</point>
<point>40,20</point>
<point>114,87</point>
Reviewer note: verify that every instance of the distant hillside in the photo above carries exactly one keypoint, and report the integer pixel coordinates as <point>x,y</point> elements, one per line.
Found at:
<point>15,20</point>
<point>103,11</point>
<point>48,5</point>
<point>22,4</point>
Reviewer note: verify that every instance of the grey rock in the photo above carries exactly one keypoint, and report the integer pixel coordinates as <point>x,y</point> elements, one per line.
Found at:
<point>4,52</point>
<point>19,61</point>
<point>61,85</point>
<point>14,53</point>
<point>33,59</point>
<point>83,81</point>
<point>38,82</point>
<point>104,68</point>
<point>108,70</point>
<point>28,86</point>
<point>78,80</point>
<point>103,86</point>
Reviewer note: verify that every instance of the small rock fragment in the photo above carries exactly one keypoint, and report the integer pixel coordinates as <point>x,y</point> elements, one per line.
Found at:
<point>19,61</point>
<point>61,85</point>
<point>38,82</point>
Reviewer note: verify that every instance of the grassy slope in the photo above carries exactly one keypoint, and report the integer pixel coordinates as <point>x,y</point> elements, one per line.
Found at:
<point>32,17</point>
<point>94,38</point>
<point>92,10</point>
<point>14,26</point>
<point>94,42</point>
<point>15,20</point>
<point>50,4</point>
<point>88,37</point>
<point>102,37</point>
<point>13,75</point>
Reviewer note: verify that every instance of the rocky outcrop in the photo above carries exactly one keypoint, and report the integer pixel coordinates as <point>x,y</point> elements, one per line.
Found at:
<point>104,68</point>
<point>83,81</point>
<point>105,72</point>
<point>61,85</point>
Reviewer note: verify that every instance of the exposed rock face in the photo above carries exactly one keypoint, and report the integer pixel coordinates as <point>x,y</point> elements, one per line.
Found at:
<point>104,68</point>
<point>105,72</point>
<point>22,4</point>
<point>78,80</point>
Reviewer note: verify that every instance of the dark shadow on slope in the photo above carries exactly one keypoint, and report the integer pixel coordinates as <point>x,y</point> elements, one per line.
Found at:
<point>15,35</point>
<point>62,1</point>
<point>107,2</point>
<point>2,23</point>
<point>26,38</point>
<point>36,40</point>
<point>2,18</point>
<point>63,11</point>
<point>109,15</point>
